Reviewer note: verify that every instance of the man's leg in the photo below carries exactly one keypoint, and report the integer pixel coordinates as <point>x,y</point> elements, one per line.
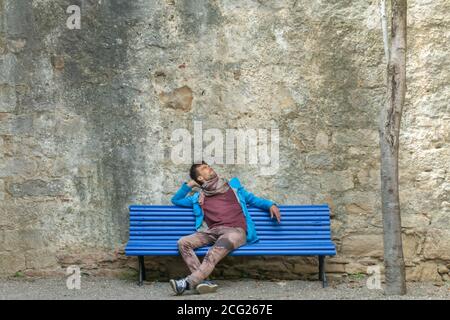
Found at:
<point>229,239</point>
<point>187,244</point>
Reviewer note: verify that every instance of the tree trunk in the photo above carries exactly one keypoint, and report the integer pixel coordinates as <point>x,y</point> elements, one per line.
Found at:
<point>389,145</point>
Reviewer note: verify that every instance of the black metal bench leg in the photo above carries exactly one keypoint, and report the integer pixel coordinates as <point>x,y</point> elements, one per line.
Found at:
<point>141,270</point>
<point>322,275</point>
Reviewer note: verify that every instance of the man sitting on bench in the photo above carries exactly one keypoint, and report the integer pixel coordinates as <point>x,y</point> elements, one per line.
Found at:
<point>222,219</point>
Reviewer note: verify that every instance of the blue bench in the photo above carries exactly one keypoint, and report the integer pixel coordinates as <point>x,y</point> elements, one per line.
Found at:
<point>304,231</point>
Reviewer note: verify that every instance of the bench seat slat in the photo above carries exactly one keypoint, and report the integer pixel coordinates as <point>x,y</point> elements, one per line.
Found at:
<point>258,222</point>
<point>253,214</point>
<point>176,235</point>
<point>261,237</point>
<point>260,230</point>
<point>173,242</point>
<point>260,226</point>
<point>286,219</point>
<point>279,243</point>
<point>162,208</point>
<point>267,247</point>
<point>238,252</point>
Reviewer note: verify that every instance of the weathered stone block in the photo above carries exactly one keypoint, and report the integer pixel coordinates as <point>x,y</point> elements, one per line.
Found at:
<point>32,239</point>
<point>10,240</point>
<point>13,167</point>
<point>37,188</point>
<point>437,244</point>
<point>7,98</point>
<point>7,69</point>
<point>11,262</point>
<point>427,271</point>
<point>369,245</point>
<point>16,45</point>
<point>362,137</point>
<point>411,246</point>
<point>319,161</point>
<point>2,189</point>
<point>336,180</point>
<point>20,240</point>
<point>40,259</point>
<point>442,269</point>
<point>355,268</point>
<point>335,267</point>
<point>178,99</point>
<point>321,140</point>
<point>11,124</point>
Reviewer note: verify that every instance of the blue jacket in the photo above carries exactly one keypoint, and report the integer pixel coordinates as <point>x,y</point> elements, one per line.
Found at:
<point>245,198</point>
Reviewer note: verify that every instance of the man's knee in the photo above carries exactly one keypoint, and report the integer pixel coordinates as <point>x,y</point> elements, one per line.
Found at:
<point>182,243</point>
<point>225,243</point>
<point>231,241</point>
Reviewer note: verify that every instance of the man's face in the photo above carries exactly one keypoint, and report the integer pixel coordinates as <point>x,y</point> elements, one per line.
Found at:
<point>205,173</point>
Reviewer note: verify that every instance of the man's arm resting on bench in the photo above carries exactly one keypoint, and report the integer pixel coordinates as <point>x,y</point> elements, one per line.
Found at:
<point>263,204</point>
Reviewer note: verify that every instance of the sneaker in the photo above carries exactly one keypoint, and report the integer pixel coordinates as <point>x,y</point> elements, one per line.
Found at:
<point>179,286</point>
<point>206,287</point>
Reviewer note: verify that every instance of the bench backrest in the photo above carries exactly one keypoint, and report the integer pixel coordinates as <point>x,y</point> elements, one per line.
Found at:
<point>169,223</point>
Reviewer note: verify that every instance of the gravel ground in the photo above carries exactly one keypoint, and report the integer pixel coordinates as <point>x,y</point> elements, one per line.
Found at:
<point>93,288</point>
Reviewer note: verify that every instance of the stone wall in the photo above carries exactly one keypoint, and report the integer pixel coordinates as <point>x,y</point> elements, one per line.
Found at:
<point>86,118</point>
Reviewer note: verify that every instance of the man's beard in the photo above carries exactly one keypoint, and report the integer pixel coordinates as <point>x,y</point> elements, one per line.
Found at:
<point>211,176</point>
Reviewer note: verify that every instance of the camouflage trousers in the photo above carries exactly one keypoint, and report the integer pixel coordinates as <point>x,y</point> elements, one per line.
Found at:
<point>225,240</point>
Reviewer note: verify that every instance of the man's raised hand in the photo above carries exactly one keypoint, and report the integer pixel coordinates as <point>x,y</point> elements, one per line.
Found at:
<point>192,184</point>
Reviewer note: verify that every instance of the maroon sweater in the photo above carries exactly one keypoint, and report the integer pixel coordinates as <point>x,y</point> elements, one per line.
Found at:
<point>223,209</point>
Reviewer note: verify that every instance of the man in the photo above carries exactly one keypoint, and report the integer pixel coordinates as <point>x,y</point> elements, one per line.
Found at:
<point>221,218</point>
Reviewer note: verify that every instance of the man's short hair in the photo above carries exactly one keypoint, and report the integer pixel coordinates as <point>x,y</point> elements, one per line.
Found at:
<point>193,173</point>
